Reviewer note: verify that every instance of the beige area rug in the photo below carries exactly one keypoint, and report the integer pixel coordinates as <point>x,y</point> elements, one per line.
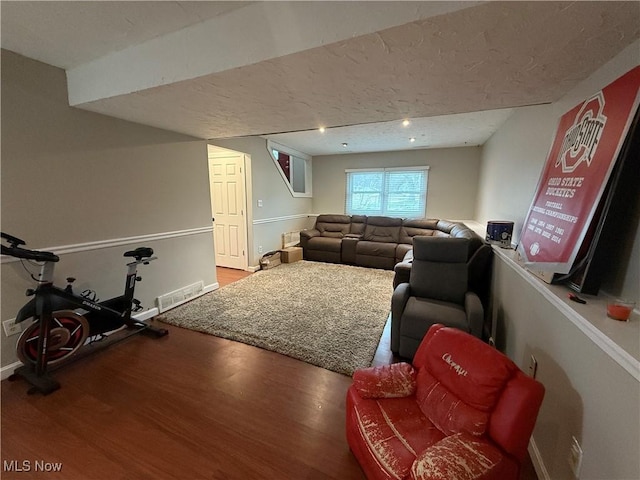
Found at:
<point>328,315</point>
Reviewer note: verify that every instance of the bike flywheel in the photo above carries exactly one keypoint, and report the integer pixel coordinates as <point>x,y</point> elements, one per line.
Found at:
<point>68,332</point>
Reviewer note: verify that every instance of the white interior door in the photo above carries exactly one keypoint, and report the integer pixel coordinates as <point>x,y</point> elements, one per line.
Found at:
<point>226,176</point>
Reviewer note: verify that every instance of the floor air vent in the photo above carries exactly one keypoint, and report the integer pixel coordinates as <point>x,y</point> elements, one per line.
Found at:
<point>180,296</point>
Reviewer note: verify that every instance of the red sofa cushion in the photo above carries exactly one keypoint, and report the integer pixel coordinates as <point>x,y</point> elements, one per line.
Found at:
<point>394,431</point>
<point>386,381</point>
<point>459,380</point>
<point>445,410</point>
<point>461,457</point>
<point>465,366</point>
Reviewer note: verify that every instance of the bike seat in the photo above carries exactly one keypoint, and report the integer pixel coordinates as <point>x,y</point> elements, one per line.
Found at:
<point>139,253</point>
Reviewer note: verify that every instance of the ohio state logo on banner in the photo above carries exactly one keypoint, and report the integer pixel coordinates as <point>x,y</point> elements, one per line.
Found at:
<point>584,151</point>
<point>583,137</point>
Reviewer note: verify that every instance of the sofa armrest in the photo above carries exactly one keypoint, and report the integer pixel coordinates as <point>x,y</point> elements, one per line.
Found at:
<point>463,457</point>
<point>475,313</point>
<point>348,249</point>
<point>305,235</point>
<point>385,381</point>
<point>402,270</point>
<point>515,414</point>
<point>398,301</point>
<point>309,233</point>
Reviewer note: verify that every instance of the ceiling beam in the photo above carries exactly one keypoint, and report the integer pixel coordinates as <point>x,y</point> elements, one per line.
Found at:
<point>255,33</point>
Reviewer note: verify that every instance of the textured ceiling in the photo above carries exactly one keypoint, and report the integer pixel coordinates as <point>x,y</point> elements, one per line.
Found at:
<point>466,130</point>
<point>487,57</point>
<point>69,33</point>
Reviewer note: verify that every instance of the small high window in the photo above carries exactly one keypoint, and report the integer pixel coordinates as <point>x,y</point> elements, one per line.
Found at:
<point>294,167</point>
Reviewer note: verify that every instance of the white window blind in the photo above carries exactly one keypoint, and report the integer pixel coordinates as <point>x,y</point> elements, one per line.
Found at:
<point>394,192</point>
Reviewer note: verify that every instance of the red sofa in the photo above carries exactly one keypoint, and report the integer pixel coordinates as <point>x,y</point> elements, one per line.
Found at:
<point>461,411</point>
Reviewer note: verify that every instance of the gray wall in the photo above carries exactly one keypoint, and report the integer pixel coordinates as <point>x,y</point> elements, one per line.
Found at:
<point>588,395</point>
<point>71,177</point>
<point>451,191</point>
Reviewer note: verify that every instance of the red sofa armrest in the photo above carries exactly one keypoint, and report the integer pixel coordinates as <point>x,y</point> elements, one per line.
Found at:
<point>386,381</point>
<point>514,417</point>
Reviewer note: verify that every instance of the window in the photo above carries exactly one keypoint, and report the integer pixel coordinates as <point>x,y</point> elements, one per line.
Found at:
<point>294,167</point>
<point>394,192</point>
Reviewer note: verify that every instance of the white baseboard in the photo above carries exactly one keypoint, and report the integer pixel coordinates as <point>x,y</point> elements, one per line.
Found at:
<point>5,372</point>
<point>145,315</point>
<point>536,459</point>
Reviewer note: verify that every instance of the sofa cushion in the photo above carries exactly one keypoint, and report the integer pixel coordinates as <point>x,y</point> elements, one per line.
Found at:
<point>445,410</point>
<point>333,218</point>
<point>401,251</point>
<point>411,228</point>
<point>335,226</point>
<point>395,431</point>
<point>439,270</point>
<point>358,224</point>
<point>385,381</point>
<point>446,225</point>
<point>420,313</point>
<point>460,457</point>
<point>378,249</point>
<point>458,391</point>
<point>475,374</point>
<point>382,229</point>
<point>334,230</point>
<point>328,244</point>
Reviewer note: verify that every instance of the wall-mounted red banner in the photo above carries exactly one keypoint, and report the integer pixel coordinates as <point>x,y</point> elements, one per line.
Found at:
<point>584,151</point>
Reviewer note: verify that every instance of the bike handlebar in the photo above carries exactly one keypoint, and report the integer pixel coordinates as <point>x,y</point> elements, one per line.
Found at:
<point>36,255</point>
<point>13,241</point>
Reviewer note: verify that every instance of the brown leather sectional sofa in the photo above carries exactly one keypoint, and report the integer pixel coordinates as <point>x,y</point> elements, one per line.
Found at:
<point>378,242</point>
<point>386,242</point>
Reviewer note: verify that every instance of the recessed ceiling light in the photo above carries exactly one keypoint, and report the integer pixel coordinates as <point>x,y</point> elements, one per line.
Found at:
<point>322,129</point>
<point>345,144</point>
<point>406,123</point>
<point>412,139</point>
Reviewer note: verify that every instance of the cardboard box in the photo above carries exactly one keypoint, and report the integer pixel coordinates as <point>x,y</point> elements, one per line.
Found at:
<point>270,260</point>
<point>291,254</point>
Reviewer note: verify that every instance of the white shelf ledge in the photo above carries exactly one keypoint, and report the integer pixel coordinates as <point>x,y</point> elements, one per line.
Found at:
<point>619,340</point>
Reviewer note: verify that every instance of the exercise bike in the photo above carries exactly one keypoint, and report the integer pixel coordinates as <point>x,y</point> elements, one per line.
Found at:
<point>63,322</point>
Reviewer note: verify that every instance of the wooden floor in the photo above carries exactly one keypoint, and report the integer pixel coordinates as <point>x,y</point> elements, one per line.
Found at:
<point>186,406</point>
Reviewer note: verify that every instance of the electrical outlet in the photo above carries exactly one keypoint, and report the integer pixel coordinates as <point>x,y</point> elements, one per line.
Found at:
<point>260,249</point>
<point>11,327</point>
<point>533,367</point>
<point>575,457</point>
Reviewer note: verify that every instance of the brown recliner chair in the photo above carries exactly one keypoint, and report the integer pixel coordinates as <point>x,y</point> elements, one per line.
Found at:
<point>437,292</point>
